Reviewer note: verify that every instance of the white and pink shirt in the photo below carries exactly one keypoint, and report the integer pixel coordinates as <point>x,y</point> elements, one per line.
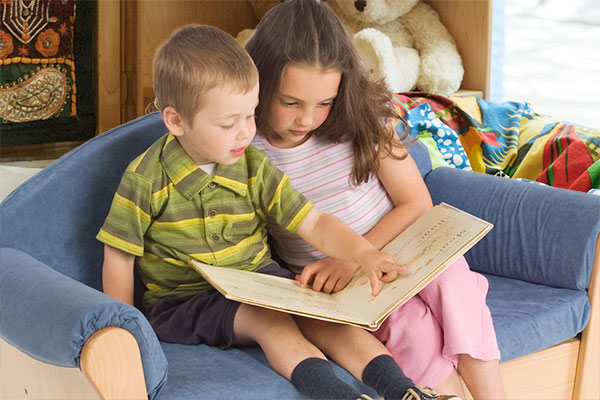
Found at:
<point>322,171</point>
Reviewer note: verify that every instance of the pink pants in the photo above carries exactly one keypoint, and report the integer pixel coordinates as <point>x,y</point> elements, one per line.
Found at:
<point>447,318</point>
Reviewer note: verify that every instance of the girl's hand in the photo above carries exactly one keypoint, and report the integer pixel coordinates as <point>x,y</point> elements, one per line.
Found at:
<point>329,275</point>
<point>380,266</point>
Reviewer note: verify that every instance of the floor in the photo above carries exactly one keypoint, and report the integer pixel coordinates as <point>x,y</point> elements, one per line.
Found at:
<point>552,57</point>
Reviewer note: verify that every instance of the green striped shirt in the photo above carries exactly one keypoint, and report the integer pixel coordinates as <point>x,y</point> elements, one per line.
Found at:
<point>166,210</point>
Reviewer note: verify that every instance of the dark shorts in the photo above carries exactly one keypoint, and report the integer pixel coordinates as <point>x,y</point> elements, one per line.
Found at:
<point>206,317</point>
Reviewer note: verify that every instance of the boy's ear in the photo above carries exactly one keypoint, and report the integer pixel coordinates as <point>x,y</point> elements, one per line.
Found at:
<point>173,121</point>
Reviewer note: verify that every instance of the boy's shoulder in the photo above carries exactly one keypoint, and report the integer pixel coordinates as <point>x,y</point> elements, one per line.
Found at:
<point>258,163</point>
<point>146,164</point>
<point>255,158</point>
<point>253,153</point>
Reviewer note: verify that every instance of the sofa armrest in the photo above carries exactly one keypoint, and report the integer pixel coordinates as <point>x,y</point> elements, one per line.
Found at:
<point>541,234</point>
<point>50,316</point>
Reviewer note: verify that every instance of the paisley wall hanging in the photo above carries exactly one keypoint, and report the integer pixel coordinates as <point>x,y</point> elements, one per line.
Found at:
<point>46,71</point>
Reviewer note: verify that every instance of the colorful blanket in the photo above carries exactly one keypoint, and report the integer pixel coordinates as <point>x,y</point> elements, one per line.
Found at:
<point>506,139</point>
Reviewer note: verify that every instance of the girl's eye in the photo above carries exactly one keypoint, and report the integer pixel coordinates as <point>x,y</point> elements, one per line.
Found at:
<point>289,103</point>
<point>227,126</point>
<point>327,104</point>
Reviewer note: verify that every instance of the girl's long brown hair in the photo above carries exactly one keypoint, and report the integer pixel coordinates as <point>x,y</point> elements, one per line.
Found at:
<point>308,32</point>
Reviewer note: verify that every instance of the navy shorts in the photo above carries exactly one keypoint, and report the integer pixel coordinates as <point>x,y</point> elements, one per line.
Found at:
<point>206,317</point>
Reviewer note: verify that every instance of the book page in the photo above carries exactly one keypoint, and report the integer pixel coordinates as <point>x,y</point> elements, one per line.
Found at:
<point>276,292</point>
<point>426,248</point>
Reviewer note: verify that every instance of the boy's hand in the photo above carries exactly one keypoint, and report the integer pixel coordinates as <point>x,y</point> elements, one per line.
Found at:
<point>380,266</point>
<point>329,274</point>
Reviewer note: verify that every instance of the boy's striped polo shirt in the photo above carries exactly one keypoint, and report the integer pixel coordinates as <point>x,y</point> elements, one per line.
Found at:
<point>166,210</point>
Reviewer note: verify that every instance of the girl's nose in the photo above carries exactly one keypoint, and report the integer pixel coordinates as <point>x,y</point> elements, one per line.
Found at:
<point>305,119</point>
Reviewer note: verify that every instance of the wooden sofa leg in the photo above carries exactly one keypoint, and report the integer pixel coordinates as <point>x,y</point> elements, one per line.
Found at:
<point>111,361</point>
<point>587,384</point>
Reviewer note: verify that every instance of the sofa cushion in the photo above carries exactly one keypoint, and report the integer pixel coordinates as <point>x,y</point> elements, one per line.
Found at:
<point>529,317</point>
<point>419,153</point>
<point>206,372</point>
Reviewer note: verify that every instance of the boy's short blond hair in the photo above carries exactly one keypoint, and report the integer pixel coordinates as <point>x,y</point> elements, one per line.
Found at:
<point>195,59</point>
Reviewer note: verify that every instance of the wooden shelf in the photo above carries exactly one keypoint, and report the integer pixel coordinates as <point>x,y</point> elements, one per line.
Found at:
<point>144,24</point>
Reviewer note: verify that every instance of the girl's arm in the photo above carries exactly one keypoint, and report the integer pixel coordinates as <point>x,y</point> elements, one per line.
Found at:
<point>117,274</point>
<point>404,184</point>
<point>334,238</point>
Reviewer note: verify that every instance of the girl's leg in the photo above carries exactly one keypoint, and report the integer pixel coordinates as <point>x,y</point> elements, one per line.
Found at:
<point>457,300</point>
<point>415,339</point>
<point>451,384</point>
<point>365,357</point>
<point>481,377</point>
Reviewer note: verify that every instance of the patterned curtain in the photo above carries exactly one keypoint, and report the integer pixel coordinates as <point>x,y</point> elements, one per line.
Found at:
<point>46,71</point>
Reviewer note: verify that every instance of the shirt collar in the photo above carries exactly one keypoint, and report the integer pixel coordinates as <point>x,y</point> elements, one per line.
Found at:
<point>190,180</point>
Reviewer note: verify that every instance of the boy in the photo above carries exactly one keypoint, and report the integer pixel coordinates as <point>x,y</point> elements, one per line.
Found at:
<point>203,192</point>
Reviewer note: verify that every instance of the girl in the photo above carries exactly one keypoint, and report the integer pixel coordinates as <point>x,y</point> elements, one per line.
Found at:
<point>328,127</point>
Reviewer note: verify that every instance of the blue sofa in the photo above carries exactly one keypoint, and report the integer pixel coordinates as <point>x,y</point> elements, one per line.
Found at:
<point>541,260</point>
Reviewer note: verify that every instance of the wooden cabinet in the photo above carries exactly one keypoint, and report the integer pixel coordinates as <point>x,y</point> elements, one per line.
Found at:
<point>130,31</point>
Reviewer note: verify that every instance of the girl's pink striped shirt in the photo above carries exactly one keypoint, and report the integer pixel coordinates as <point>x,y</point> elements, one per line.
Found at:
<point>322,171</point>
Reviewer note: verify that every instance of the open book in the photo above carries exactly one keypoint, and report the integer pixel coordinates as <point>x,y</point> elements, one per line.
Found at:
<point>426,248</point>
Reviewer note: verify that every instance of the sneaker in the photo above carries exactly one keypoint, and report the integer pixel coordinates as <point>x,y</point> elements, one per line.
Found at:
<point>425,393</point>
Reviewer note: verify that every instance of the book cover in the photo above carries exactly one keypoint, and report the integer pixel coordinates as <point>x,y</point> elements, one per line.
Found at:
<point>426,248</point>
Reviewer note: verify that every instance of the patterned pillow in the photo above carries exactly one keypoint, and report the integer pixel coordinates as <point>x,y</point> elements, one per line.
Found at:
<point>442,142</point>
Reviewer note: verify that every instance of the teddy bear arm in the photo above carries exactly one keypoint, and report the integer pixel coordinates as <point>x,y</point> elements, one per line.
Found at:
<point>438,74</point>
<point>426,28</point>
<point>441,69</point>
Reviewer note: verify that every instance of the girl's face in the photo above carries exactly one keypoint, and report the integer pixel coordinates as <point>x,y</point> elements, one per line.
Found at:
<point>301,103</point>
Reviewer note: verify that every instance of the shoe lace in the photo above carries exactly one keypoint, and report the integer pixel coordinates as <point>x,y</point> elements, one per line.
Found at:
<point>426,393</point>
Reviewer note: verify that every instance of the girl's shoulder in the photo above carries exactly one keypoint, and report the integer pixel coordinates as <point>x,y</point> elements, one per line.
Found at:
<point>260,142</point>
<point>312,145</point>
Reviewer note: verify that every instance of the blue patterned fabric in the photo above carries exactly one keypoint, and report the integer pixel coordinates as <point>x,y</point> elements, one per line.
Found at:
<point>438,137</point>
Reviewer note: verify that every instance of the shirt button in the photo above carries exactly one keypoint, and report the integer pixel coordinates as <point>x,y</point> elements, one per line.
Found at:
<point>212,185</point>
<point>216,237</point>
<point>212,213</point>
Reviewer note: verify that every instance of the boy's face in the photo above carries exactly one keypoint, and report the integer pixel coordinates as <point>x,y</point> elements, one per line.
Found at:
<point>222,129</point>
<point>302,103</point>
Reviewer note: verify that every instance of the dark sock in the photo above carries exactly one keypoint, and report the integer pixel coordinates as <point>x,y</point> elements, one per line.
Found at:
<point>385,376</point>
<point>315,378</point>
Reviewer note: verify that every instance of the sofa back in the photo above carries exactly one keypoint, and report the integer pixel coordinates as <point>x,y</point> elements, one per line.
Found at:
<point>56,215</point>
<point>541,234</point>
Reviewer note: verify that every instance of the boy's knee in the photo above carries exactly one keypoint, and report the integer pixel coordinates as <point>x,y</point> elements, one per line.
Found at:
<point>263,318</point>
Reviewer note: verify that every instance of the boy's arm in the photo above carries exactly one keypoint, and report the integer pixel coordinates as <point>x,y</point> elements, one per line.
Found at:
<point>334,238</point>
<point>117,274</point>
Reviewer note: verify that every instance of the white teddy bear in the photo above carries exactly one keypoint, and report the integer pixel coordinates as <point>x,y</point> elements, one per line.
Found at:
<point>403,42</point>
